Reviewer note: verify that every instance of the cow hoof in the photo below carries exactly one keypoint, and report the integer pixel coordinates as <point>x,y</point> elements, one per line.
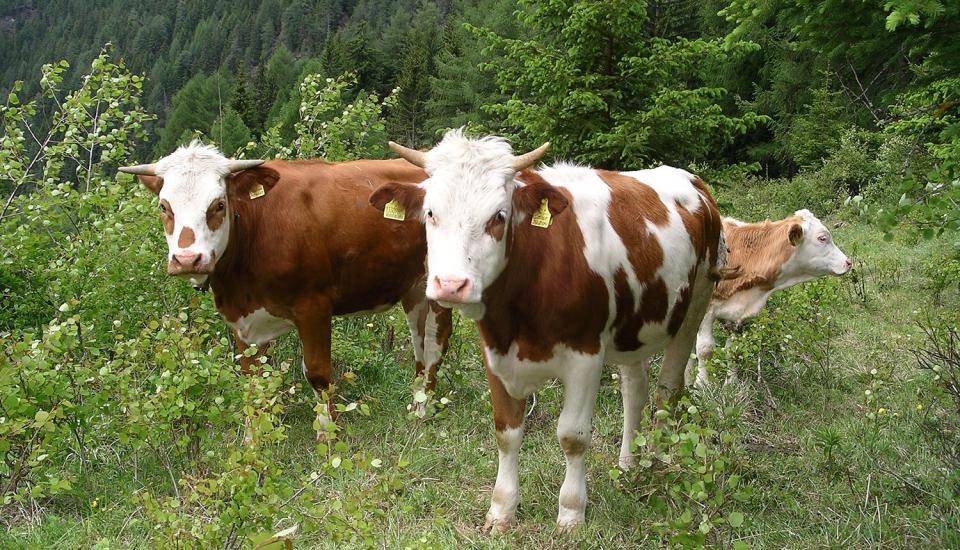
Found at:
<point>496,524</point>
<point>419,409</point>
<point>627,463</point>
<point>568,520</point>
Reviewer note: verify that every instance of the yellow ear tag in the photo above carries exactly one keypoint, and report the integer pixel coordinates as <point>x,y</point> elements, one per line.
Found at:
<point>393,211</point>
<point>542,217</point>
<point>257,191</point>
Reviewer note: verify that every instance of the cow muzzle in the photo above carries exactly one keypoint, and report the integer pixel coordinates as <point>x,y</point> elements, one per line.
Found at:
<point>189,263</point>
<point>454,290</point>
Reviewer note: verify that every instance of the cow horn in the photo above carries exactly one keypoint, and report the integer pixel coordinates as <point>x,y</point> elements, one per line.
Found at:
<point>238,165</point>
<point>140,169</point>
<point>411,155</point>
<point>527,160</point>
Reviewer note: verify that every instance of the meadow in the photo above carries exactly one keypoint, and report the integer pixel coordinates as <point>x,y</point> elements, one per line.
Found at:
<point>123,411</point>
<point>826,436</point>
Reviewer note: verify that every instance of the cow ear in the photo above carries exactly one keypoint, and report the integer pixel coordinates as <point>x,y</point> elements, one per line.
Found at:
<point>527,199</point>
<point>251,183</point>
<point>796,234</point>
<point>409,196</point>
<point>153,183</point>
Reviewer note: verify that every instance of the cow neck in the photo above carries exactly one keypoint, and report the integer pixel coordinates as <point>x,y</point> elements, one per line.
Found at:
<point>235,259</point>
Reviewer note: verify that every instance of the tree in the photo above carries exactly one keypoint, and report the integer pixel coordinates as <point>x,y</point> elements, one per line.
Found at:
<point>193,109</point>
<point>597,85</point>
<point>229,132</point>
<point>459,87</point>
<point>407,120</point>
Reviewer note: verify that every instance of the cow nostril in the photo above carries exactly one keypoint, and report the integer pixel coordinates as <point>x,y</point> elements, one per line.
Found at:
<point>463,285</point>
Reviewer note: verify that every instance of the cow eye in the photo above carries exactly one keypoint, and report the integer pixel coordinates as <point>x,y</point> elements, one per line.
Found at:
<point>163,208</point>
<point>501,216</point>
<point>221,205</point>
<point>429,213</point>
<point>822,238</point>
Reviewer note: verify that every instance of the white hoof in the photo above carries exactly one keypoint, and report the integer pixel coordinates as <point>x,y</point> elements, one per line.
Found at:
<point>568,520</point>
<point>498,523</point>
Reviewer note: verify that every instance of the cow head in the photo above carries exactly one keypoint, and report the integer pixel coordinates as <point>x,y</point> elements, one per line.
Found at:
<point>815,253</point>
<point>470,203</point>
<point>193,199</point>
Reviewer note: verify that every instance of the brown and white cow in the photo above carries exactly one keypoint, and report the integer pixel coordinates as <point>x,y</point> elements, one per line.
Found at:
<point>288,244</point>
<point>769,256</point>
<point>623,269</point>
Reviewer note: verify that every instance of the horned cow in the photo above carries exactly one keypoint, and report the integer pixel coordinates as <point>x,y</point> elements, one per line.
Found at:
<point>286,245</point>
<point>563,268</point>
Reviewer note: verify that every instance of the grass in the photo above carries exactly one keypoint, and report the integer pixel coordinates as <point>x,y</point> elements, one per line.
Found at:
<point>882,486</point>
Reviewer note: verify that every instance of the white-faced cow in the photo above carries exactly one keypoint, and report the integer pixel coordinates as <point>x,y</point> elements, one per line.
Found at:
<point>287,244</point>
<point>769,256</point>
<point>563,268</point>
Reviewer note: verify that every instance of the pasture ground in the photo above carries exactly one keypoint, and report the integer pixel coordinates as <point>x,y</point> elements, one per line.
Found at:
<point>883,484</point>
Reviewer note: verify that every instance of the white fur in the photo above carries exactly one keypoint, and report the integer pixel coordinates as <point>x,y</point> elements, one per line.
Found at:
<point>260,327</point>
<point>816,256</point>
<point>634,391</point>
<point>506,490</point>
<point>470,181</point>
<point>193,177</point>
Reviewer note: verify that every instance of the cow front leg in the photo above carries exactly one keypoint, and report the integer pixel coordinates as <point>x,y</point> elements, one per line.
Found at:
<point>313,324</point>
<point>430,328</point>
<point>705,345</point>
<point>508,416</point>
<point>634,390</point>
<point>250,366</point>
<point>574,431</point>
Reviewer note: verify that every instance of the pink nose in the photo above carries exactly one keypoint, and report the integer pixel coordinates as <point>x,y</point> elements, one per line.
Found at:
<point>186,262</point>
<point>451,289</point>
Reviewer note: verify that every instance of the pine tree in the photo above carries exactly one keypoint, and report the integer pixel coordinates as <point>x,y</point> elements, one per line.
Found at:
<point>596,84</point>
<point>261,100</point>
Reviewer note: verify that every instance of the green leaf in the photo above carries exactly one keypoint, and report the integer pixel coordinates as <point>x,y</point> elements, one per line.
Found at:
<point>735,519</point>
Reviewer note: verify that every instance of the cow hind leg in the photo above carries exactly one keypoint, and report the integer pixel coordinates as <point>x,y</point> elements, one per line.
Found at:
<point>430,328</point>
<point>678,351</point>
<point>634,390</point>
<point>574,431</point>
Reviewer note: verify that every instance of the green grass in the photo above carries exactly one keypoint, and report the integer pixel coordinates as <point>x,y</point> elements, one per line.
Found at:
<point>885,486</point>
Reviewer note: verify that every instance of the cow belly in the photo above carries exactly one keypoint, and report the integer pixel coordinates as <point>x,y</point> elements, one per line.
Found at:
<point>522,377</point>
<point>260,327</point>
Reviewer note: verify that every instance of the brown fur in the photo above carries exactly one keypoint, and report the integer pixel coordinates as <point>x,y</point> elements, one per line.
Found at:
<point>547,293</point>
<point>215,215</point>
<point>306,260</point>
<point>186,237</point>
<point>166,217</point>
<point>758,250</point>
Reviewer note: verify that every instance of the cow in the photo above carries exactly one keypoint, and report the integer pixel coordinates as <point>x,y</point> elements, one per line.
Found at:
<point>286,245</point>
<point>563,268</point>
<point>769,256</point>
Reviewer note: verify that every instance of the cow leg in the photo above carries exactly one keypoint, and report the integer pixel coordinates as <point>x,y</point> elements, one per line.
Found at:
<point>705,345</point>
<point>574,430</point>
<point>314,329</point>
<point>508,416</point>
<point>430,327</point>
<point>250,366</point>
<point>635,391</point>
<point>677,354</point>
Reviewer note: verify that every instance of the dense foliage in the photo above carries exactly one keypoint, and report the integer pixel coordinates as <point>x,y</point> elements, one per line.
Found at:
<point>122,415</point>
